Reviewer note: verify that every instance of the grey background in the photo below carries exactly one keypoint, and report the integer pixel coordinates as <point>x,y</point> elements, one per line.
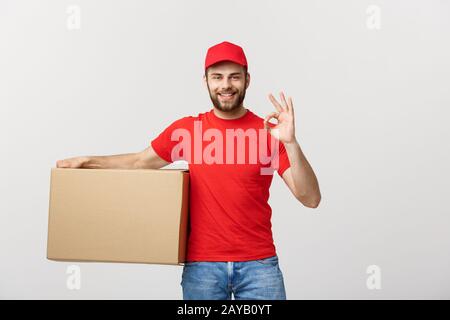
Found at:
<point>371,116</point>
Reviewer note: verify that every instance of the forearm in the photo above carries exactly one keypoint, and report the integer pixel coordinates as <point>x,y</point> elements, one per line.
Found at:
<point>303,176</point>
<point>120,161</point>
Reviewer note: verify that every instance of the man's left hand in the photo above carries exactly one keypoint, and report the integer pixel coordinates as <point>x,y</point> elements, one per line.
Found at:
<point>285,128</point>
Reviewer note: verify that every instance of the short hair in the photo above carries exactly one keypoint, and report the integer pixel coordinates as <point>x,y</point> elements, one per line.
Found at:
<point>245,71</point>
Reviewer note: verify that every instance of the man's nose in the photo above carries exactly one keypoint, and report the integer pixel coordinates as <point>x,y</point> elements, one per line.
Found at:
<point>225,84</point>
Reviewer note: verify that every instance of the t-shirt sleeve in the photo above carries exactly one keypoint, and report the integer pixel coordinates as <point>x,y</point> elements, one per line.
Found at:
<point>283,160</point>
<point>164,142</point>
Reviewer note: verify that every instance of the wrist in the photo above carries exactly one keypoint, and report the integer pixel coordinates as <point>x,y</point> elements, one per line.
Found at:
<point>290,144</point>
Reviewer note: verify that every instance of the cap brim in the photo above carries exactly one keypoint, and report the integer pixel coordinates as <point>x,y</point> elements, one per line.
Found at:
<point>222,60</point>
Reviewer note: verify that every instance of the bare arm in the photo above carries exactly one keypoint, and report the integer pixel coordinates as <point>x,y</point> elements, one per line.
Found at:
<point>149,159</point>
<point>146,159</point>
<point>300,177</point>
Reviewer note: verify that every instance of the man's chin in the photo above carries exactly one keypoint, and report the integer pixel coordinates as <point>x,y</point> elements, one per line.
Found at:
<point>226,108</point>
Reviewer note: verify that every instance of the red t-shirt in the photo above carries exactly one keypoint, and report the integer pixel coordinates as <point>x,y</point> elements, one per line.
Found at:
<point>229,211</point>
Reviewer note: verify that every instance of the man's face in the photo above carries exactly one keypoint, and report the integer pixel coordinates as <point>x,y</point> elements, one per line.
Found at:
<point>227,83</point>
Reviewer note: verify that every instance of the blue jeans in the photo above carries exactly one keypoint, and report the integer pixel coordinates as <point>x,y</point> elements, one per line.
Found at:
<point>247,280</point>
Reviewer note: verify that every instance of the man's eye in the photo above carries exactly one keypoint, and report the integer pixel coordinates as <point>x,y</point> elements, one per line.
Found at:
<point>236,77</point>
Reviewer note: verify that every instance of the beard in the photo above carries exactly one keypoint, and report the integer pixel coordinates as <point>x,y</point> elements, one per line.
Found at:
<point>231,105</point>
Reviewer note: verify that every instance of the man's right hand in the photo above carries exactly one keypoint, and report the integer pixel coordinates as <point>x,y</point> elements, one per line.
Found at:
<point>146,159</point>
<point>76,162</point>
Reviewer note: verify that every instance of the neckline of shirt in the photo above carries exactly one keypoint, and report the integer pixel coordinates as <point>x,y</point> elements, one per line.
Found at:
<point>241,118</point>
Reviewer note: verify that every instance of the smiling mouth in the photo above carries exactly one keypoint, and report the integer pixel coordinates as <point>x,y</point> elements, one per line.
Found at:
<point>226,96</point>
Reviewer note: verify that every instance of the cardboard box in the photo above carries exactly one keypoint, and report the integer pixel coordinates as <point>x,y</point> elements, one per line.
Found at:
<point>118,215</point>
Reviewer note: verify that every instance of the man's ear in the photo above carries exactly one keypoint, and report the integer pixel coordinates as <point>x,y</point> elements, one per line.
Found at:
<point>247,80</point>
<point>205,81</point>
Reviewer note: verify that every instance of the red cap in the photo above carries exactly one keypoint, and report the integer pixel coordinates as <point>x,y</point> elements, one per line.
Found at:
<point>225,51</point>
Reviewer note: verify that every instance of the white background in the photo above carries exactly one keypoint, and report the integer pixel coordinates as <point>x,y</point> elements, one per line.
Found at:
<point>371,106</point>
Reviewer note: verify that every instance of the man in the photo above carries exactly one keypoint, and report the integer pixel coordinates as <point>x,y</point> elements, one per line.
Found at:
<point>230,246</point>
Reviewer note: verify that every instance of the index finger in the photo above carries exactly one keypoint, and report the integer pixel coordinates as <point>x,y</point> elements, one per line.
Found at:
<point>275,103</point>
